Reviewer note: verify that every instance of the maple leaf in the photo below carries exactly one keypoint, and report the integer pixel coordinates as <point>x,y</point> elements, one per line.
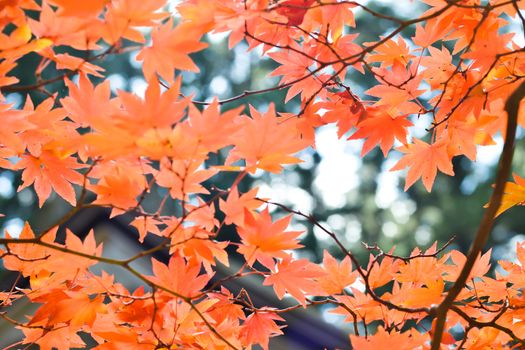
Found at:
<point>163,141</point>
<point>123,16</point>
<point>159,109</point>
<point>462,139</point>
<point>424,160</point>
<point>516,270</point>
<point>175,143</point>
<point>18,43</point>
<point>488,45</point>
<point>13,122</point>
<point>293,67</point>
<point>485,338</point>
<point>5,67</point>
<point>118,190</point>
<point>183,178</point>
<point>438,66</point>
<point>362,304</point>
<point>76,64</point>
<point>384,272</point>
<point>481,265</point>
<point>391,52</point>
<point>48,126</point>
<point>201,14</point>
<point>339,276</point>
<point>196,243</point>
<point>65,30</point>
<point>211,127</point>
<point>263,239</point>
<point>266,141</point>
<point>435,29</point>
<point>62,308</point>
<point>308,122</point>
<point>169,50</point>
<point>145,224</point>
<point>337,17</point>
<point>88,105</point>
<point>514,194</point>
<point>428,294</point>
<point>49,171</point>
<point>179,276</point>
<point>294,10</point>
<point>345,110</point>
<point>260,326</point>
<point>423,270</point>
<point>60,338</point>
<point>88,247</point>
<point>399,86</point>
<point>80,8</point>
<point>202,215</point>
<point>139,13</point>
<point>296,277</point>
<point>118,184</point>
<point>235,205</point>
<point>379,127</point>
<point>27,258</point>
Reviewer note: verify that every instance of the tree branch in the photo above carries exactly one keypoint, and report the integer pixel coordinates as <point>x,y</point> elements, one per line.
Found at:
<point>487,222</point>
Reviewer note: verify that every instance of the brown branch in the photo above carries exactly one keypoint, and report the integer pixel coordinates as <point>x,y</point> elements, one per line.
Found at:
<point>38,85</point>
<point>492,323</point>
<point>124,265</point>
<point>364,275</point>
<point>412,257</point>
<point>485,227</point>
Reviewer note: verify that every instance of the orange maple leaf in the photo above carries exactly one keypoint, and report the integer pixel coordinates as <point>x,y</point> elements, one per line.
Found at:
<point>424,160</point>
<point>339,275</point>
<point>80,8</point>
<point>235,205</point>
<point>124,16</point>
<point>18,43</point>
<point>266,141</point>
<point>76,32</point>
<point>27,258</point>
<point>183,178</point>
<point>76,64</point>
<point>13,122</point>
<point>211,127</point>
<point>145,224</point>
<point>179,276</point>
<point>49,171</point>
<point>159,109</point>
<point>75,309</point>
<point>263,239</point>
<point>514,194</point>
<point>60,338</point>
<point>292,67</point>
<point>391,52</point>
<point>296,277</point>
<point>379,127</point>
<point>169,50</point>
<point>260,326</point>
<point>88,105</point>
<point>5,67</point>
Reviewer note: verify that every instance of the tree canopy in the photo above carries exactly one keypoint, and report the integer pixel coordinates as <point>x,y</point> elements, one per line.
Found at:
<point>458,63</point>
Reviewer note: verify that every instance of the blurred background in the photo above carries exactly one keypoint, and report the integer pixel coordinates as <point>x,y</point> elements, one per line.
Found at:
<point>358,198</point>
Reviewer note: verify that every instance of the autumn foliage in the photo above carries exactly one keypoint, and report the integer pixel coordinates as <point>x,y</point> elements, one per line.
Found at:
<point>94,148</point>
